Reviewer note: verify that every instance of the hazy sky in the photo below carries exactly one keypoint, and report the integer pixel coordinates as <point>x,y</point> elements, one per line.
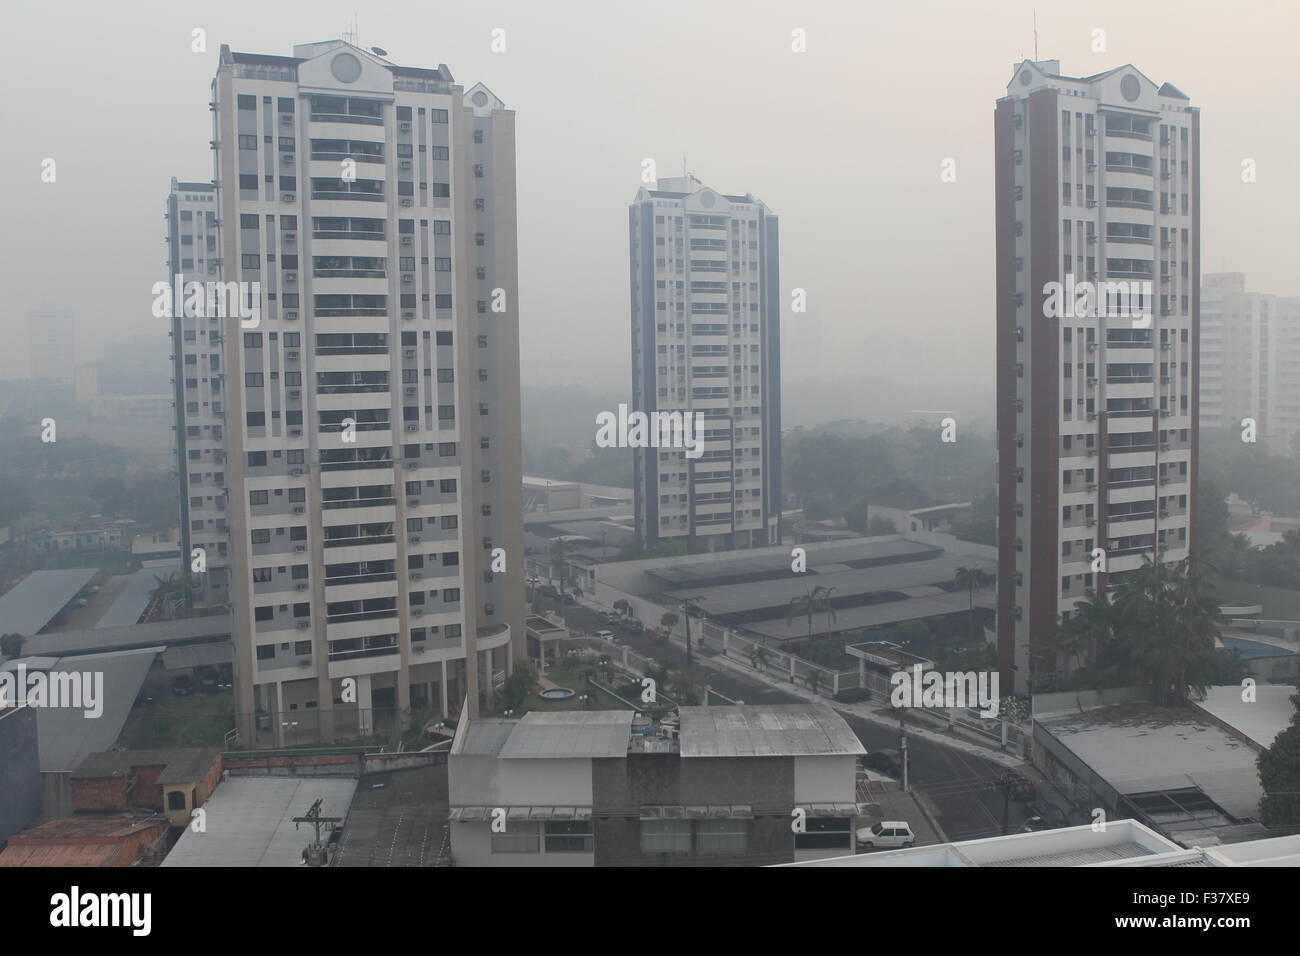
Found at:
<point>844,142</point>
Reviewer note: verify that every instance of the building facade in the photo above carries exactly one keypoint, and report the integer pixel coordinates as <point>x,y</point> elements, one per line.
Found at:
<point>1098,285</point>
<point>1250,360</point>
<point>198,402</point>
<point>706,341</point>
<point>51,346</point>
<point>372,408</point>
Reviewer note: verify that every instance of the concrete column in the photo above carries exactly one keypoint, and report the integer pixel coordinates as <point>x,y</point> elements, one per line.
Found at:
<point>278,718</point>
<point>726,640</point>
<point>442,688</point>
<point>835,683</point>
<point>790,658</point>
<point>862,672</point>
<point>365,715</point>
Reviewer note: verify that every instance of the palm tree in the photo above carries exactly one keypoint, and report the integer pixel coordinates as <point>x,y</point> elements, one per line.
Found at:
<point>1171,622</point>
<point>758,656</point>
<point>559,548</point>
<point>1093,629</point>
<point>972,579</point>
<point>164,589</point>
<point>812,601</point>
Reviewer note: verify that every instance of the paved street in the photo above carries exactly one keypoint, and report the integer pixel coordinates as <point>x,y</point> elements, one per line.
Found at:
<point>960,788</point>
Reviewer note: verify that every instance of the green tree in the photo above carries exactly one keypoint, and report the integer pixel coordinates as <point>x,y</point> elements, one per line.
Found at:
<point>669,621</point>
<point>1279,774</point>
<point>517,687</point>
<point>687,686</point>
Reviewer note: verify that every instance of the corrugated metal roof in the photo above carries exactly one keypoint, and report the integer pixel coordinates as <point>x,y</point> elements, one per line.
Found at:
<point>571,733</point>
<point>34,601</point>
<point>782,730</point>
<point>691,574</point>
<point>133,599</point>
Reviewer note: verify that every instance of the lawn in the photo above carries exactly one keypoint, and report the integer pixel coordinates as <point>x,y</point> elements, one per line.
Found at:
<point>200,720</point>
<point>571,676</point>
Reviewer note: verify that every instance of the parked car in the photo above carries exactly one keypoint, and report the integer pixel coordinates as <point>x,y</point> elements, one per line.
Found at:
<point>208,682</point>
<point>548,590</point>
<point>1044,818</point>
<point>888,762</point>
<point>605,617</point>
<point>605,635</point>
<point>633,626</point>
<point>1021,787</point>
<point>886,835</point>
<point>182,686</point>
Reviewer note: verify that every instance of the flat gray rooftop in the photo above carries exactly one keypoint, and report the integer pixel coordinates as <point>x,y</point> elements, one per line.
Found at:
<point>189,630</point>
<point>920,577</point>
<point>570,733</point>
<point>133,599</point>
<point>1140,748</point>
<point>780,730</point>
<point>249,821</point>
<point>34,601</point>
<point>693,573</point>
<point>854,618</point>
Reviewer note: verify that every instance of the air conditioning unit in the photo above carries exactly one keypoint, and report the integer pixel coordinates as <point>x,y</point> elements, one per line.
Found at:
<point>408,277</point>
<point>303,625</point>
<point>1090,488</point>
<point>404,164</point>
<point>404,127</point>
<point>298,509</point>
<point>1164,513</point>
<point>291,354</point>
<point>1092,204</point>
<point>410,390</point>
<point>1092,453</point>
<point>291,277</point>
<point>1091,522</point>
<point>417,612</point>
<point>295,432</point>
<point>1092,346</point>
<point>1092,238</point>
<point>412,428</point>
<point>408,201</point>
<point>286,119</point>
<point>408,353</point>
<point>1092,167</point>
<point>409,314</point>
<point>295,471</point>
<point>290,237</point>
<point>294,393</point>
<point>410,464</point>
<point>1092,381</point>
<point>300,547</point>
<point>300,586</point>
<point>287,158</point>
<point>290,315</point>
<point>408,240</point>
<point>1092,416</point>
<point>1164,446</point>
<point>288,197</point>
<point>416,575</point>
<point>1166,346</point>
<point>414,539</point>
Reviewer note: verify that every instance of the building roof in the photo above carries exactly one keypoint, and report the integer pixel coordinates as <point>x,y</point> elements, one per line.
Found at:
<point>1259,720</point>
<point>34,601</point>
<point>775,730</point>
<point>133,599</point>
<point>77,841</point>
<point>182,764</point>
<point>856,618</point>
<point>1139,748</point>
<point>250,821</point>
<point>187,630</point>
<point>66,735</point>
<point>570,733</point>
<point>860,552</point>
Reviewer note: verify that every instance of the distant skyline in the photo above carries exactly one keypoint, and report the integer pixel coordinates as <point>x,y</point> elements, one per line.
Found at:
<point>847,140</point>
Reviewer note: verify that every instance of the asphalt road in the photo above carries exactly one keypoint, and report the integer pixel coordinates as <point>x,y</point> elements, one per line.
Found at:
<point>961,788</point>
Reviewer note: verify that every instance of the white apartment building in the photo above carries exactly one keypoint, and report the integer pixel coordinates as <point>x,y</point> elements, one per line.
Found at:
<point>372,412</point>
<point>198,405</point>
<point>706,338</point>
<point>1250,360</point>
<point>1097,181</point>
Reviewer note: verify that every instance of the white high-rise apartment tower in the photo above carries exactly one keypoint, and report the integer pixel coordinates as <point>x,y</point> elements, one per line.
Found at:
<point>706,341</point>
<point>1097,181</point>
<point>1250,362</point>
<point>372,415</point>
<point>197,381</point>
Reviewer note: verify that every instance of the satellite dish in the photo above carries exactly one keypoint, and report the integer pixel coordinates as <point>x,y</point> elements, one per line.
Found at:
<point>378,51</point>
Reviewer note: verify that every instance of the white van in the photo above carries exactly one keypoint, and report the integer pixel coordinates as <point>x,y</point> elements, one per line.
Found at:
<point>886,835</point>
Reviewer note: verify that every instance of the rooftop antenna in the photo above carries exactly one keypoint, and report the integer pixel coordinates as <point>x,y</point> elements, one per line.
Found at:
<point>1035,34</point>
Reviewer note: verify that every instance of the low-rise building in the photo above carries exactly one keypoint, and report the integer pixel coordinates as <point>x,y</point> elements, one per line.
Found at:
<point>718,786</point>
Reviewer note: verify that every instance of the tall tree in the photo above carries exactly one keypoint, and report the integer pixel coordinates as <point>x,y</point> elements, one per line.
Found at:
<point>972,579</point>
<point>815,600</point>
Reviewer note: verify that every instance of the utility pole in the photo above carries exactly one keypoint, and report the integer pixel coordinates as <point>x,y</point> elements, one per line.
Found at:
<point>902,733</point>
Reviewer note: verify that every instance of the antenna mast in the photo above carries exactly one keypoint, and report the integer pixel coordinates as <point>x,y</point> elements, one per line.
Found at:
<point>1035,34</point>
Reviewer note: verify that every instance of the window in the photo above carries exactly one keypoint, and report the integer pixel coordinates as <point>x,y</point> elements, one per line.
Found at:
<point>264,613</point>
<point>568,836</point>
<point>825,833</point>
<point>256,459</point>
<point>261,575</point>
<point>438,116</point>
<point>721,836</point>
<point>257,497</point>
<point>666,836</point>
<point>261,536</point>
